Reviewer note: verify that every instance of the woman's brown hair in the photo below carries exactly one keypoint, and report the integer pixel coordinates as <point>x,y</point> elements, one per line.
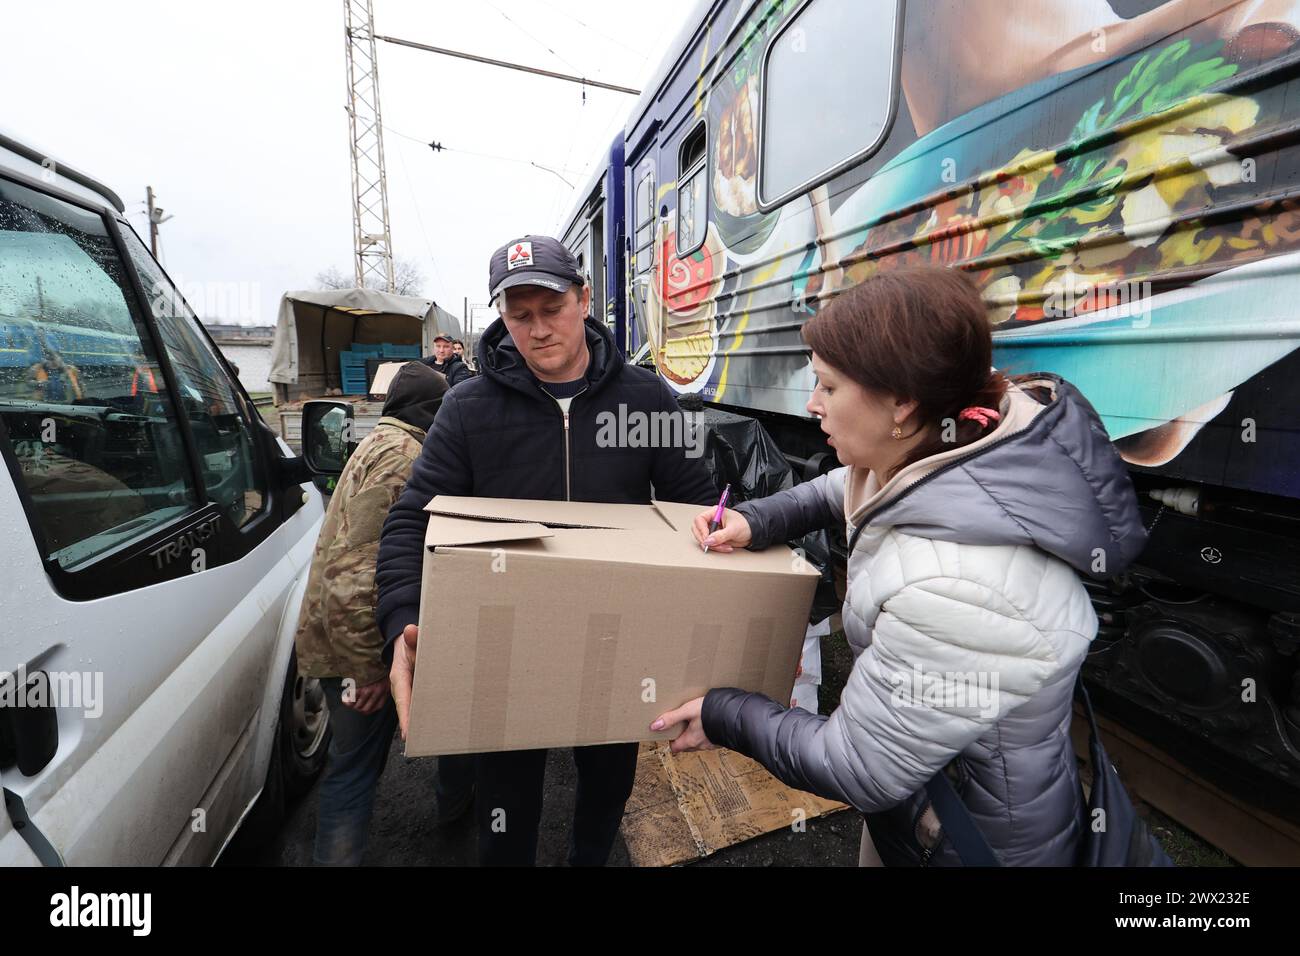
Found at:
<point>916,333</point>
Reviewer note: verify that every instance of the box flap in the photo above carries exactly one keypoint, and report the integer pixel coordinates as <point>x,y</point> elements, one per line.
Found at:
<point>554,514</point>
<point>446,531</point>
<point>679,514</point>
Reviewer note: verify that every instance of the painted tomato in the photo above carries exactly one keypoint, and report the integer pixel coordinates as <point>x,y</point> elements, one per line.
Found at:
<point>686,282</point>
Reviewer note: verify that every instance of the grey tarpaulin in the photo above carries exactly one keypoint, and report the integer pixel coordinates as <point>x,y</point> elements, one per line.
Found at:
<point>340,316</point>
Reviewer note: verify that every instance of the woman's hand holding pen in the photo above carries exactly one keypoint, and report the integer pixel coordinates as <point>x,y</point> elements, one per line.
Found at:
<point>733,534</point>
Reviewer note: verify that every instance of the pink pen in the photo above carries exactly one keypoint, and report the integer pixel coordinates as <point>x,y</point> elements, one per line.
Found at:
<point>716,523</point>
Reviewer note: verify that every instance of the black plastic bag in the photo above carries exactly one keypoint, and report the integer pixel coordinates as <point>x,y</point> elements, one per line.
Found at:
<point>739,451</point>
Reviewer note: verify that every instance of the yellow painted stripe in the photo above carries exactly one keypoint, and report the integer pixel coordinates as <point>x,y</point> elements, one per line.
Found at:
<point>759,279</point>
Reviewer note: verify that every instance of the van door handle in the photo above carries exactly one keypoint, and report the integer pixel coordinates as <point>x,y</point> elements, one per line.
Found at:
<point>32,732</point>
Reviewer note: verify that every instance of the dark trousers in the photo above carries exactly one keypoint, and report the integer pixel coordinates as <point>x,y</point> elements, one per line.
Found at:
<point>508,803</point>
<point>358,752</point>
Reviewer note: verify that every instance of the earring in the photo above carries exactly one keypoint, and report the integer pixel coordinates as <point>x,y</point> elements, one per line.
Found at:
<point>897,432</point>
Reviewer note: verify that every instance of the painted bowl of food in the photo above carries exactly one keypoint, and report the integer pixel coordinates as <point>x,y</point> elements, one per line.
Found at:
<point>685,341</point>
<point>742,228</point>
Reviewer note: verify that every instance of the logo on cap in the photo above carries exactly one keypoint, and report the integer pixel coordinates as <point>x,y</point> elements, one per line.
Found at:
<point>521,254</point>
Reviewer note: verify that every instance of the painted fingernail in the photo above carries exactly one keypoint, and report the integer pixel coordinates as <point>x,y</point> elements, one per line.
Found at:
<point>657,725</point>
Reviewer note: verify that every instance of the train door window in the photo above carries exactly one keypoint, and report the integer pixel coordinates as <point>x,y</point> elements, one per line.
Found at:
<point>644,223</point>
<point>598,268</point>
<point>581,249</point>
<point>217,411</point>
<point>90,425</point>
<point>828,94</point>
<point>692,193</point>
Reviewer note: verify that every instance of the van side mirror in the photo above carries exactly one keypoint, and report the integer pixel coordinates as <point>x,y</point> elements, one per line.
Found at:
<point>327,436</point>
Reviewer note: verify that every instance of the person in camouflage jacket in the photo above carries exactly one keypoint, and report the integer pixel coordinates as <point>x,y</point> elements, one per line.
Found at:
<point>338,641</point>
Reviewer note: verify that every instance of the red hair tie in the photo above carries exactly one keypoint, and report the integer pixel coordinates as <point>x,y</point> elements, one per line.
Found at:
<point>977,414</point>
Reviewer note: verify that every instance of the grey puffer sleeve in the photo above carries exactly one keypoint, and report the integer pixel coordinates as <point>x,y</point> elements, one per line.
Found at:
<point>792,513</point>
<point>891,733</point>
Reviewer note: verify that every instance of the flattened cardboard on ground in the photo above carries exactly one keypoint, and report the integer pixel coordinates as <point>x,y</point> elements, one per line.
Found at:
<point>555,623</point>
<point>687,806</point>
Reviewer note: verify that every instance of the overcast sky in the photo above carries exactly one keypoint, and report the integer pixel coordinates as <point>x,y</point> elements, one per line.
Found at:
<point>234,113</point>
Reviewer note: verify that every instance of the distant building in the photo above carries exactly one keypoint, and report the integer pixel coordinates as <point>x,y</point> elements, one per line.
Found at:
<point>224,333</point>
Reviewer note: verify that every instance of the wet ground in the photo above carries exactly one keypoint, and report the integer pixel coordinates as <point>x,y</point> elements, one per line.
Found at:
<point>403,833</point>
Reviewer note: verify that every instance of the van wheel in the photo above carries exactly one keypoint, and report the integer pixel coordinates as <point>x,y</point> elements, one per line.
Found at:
<point>304,731</point>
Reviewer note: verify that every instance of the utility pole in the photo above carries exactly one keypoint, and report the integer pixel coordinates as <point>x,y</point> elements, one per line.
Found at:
<point>371,237</point>
<point>156,218</point>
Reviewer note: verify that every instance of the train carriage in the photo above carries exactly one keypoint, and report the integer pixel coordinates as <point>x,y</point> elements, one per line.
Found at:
<point>1122,180</point>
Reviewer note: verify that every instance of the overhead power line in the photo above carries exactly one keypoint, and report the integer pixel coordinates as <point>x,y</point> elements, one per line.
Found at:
<point>508,65</point>
<point>534,38</point>
<point>601,33</point>
<point>438,147</point>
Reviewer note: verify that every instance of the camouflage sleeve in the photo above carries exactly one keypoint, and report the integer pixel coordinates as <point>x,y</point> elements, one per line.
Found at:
<point>349,592</point>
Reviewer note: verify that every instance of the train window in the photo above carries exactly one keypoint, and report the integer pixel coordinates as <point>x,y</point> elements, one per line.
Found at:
<point>216,410</point>
<point>89,422</point>
<point>692,193</point>
<point>828,94</point>
<point>644,222</point>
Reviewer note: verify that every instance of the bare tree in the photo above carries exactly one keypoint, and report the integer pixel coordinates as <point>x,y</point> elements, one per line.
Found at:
<point>408,279</point>
<point>332,278</point>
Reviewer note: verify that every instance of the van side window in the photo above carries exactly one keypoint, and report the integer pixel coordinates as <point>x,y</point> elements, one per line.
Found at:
<point>232,474</point>
<point>692,193</point>
<point>827,93</point>
<point>87,416</point>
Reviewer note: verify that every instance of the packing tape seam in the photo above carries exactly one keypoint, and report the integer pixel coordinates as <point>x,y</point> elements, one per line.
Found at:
<point>599,654</point>
<point>702,655</point>
<point>489,719</point>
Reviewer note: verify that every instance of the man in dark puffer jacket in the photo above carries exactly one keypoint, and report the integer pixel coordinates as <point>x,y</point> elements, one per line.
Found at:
<point>526,427</point>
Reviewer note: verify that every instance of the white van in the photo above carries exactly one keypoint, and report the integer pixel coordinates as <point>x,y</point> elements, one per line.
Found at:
<point>155,538</point>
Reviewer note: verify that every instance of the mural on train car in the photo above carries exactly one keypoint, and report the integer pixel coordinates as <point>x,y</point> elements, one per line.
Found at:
<point>1132,215</point>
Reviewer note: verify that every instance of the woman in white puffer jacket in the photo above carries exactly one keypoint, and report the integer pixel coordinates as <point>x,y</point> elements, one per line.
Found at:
<point>972,504</point>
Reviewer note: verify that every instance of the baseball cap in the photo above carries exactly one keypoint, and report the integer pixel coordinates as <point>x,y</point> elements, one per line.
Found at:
<point>533,260</point>
<point>444,337</point>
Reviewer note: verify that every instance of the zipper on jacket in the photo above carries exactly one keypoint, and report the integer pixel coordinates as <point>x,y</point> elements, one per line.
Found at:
<point>568,480</point>
<point>568,490</point>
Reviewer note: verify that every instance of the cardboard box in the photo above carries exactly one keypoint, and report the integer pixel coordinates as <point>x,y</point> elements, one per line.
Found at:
<point>557,623</point>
